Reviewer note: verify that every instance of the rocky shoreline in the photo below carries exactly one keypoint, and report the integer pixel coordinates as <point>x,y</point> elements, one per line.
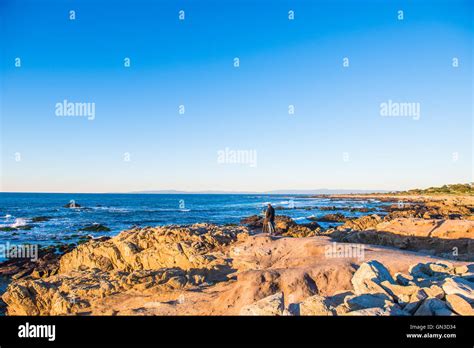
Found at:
<point>414,260</point>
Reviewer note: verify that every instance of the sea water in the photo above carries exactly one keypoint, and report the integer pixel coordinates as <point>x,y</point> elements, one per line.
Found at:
<point>123,211</point>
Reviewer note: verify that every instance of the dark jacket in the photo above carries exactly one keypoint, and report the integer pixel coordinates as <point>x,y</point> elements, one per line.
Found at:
<point>270,214</point>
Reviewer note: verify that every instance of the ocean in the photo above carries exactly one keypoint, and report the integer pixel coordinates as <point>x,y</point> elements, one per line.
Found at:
<point>123,211</point>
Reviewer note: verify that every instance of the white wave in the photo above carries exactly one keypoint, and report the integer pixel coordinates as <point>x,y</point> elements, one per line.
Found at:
<point>299,218</point>
<point>112,209</point>
<point>156,210</point>
<point>19,222</point>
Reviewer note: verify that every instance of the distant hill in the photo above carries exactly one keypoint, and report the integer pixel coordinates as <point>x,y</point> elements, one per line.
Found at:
<point>273,192</point>
<point>454,189</point>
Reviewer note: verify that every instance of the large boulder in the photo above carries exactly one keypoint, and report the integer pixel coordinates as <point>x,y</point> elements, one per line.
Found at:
<point>401,294</point>
<point>69,294</point>
<point>459,305</point>
<point>416,299</point>
<point>363,223</point>
<point>337,217</point>
<point>432,306</point>
<point>369,276</point>
<point>153,248</point>
<point>316,305</point>
<point>72,204</point>
<point>367,301</point>
<point>434,291</point>
<point>95,227</point>
<point>284,223</point>
<point>459,286</point>
<point>437,237</point>
<point>304,230</point>
<point>431,269</point>
<point>403,279</point>
<point>271,305</point>
<point>253,221</point>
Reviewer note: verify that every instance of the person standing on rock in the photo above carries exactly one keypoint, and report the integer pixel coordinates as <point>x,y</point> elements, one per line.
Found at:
<point>269,220</point>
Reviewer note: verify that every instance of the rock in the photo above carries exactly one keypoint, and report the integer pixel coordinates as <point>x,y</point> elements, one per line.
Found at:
<point>369,276</point>
<point>428,210</point>
<point>362,223</point>
<point>154,248</point>
<point>459,286</point>
<point>430,306</point>
<point>366,301</point>
<point>25,227</point>
<point>46,265</point>
<point>444,312</point>
<point>401,294</point>
<point>361,210</point>
<point>300,231</point>
<point>415,301</point>
<point>434,291</point>
<point>440,268</point>
<point>431,269</point>
<point>253,221</point>
<point>351,209</point>
<point>18,228</point>
<point>284,223</point>
<point>40,219</point>
<point>439,237</point>
<point>95,227</point>
<point>342,309</point>
<point>271,305</point>
<point>313,225</point>
<point>316,305</point>
<point>445,230</point>
<point>101,238</point>
<point>337,217</point>
<point>68,294</point>
<point>461,269</point>
<point>168,257</point>
<point>459,305</point>
<point>403,279</point>
<point>72,204</point>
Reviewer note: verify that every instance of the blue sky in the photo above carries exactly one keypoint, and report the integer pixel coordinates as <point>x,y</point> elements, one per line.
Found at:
<point>190,63</point>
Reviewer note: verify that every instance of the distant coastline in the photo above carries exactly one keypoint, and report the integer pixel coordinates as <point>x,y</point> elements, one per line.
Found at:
<point>223,192</point>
